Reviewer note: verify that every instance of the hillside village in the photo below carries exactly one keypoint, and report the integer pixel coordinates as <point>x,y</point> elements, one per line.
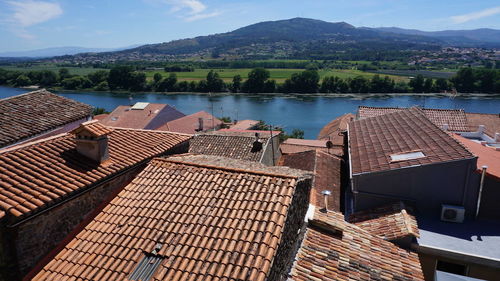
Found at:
<point>147,192</point>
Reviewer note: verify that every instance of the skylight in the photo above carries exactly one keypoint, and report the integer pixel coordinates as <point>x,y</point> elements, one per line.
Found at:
<point>140,105</point>
<point>407,156</point>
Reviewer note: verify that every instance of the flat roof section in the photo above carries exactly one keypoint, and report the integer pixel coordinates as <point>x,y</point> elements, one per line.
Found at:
<point>478,240</point>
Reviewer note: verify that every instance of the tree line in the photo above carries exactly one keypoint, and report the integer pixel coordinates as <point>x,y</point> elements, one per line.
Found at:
<point>467,80</point>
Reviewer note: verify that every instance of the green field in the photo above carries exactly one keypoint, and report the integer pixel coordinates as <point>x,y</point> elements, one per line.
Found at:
<point>277,74</point>
<point>72,70</point>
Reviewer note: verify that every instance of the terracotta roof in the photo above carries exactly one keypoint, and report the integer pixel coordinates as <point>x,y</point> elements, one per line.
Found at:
<point>151,117</point>
<point>237,145</point>
<point>93,127</point>
<point>200,221</point>
<point>251,131</point>
<point>332,130</point>
<point>490,121</point>
<point>291,145</point>
<point>327,175</point>
<point>373,140</point>
<point>391,222</point>
<point>245,124</point>
<point>100,116</point>
<point>189,124</point>
<point>486,156</point>
<point>333,249</point>
<point>36,175</point>
<point>455,118</point>
<point>33,113</point>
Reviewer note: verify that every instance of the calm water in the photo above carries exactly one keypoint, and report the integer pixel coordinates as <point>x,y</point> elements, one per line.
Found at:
<point>307,113</point>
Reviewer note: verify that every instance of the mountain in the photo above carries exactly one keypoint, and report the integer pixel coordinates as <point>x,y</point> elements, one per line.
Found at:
<point>284,39</point>
<point>477,37</point>
<point>58,51</point>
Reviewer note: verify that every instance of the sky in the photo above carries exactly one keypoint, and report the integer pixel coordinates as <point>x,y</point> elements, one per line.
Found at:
<point>37,24</point>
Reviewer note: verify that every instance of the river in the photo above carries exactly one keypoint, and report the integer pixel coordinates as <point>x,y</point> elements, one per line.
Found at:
<point>309,113</point>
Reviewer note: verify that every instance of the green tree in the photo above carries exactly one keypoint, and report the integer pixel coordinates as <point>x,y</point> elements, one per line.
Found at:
<point>99,110</point>
<point>359,84</point>
<point>464,80</point>
<point>236,85</point>
<point>120,77</point>
<point>47,78</point>
<point>256,80</point>
<point>98,76</point>
<point>428,85</point>
<point>417,84</point>
<point>76,82</point>
<point>214,83</point>
<point>23,80</point>
<point>63,74</point>
<point>297,134</point>
<point>168,83</point>
<point>103,86</point>
<point>334,84</point>
<point>304,82</point>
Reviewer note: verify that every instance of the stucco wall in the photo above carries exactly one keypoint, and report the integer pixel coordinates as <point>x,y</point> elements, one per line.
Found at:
<point>427,186</point>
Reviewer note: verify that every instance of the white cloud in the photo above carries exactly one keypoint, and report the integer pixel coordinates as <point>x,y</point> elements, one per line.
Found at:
<point>476,15</point>
<point>189,10</point>
<point>201,16</point>
<point>28,13</point>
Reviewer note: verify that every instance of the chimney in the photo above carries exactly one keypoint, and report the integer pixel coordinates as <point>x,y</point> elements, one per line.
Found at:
<point>480,129</point>
<point>257,144</point>
<point>200,124</point>
<point>445,127</point>
<point>497,137</point>
<point>91,140</point>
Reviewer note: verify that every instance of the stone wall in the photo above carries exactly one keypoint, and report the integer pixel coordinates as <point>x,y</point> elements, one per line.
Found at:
<point>285,254</point>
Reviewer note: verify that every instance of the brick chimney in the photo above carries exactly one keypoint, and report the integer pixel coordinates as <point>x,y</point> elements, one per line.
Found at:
<point>92,140</point>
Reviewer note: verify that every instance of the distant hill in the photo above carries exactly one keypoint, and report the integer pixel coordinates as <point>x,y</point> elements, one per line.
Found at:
<point>475,37</point>
<point>58,51</point>
<point>297,38</point>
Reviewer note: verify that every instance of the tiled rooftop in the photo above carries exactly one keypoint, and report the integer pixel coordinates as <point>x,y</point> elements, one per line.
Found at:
<point>237,145</point>
<point>333,249</point>
<point>455,118</point>
<point>373,140</point>
<point>203,222</point>
<point>300,145</point>
<point>332,130</point>
<point>33,113</point>
<point>244,124</point>
<point>391,222</point>
<point>189,124</point>
<point>486,156</point>
<point>327,175</point>
<point>490,121</point>
<point>38,174</point>
<point>151,117</point>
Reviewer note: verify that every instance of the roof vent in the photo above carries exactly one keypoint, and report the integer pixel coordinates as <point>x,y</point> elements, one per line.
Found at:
<point>92,140</point>
<point>146,268</point>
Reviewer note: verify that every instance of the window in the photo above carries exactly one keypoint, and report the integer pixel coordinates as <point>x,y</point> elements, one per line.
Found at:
<point>450,267</point>
<point>407,156</point>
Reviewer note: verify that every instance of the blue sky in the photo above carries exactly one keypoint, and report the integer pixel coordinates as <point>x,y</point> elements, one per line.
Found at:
<point>34,24</point>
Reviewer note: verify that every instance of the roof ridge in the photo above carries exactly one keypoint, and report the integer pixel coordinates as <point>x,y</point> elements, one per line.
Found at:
<point>187,163</point>
<point>149,130</point>
<point>29,143</point>
<point>24,94</point>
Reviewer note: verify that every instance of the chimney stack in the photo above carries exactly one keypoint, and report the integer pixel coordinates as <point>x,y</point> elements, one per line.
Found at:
<point>200,124</point>
<point>91,140</point>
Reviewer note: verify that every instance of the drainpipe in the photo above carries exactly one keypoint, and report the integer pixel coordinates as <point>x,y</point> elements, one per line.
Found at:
<point>480,190</point>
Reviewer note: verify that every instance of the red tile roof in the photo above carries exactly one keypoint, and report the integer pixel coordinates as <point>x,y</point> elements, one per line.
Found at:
<point>237,145</point>
<point>487,156</point>
<point>391,222</point>
<point>251,131</point>
<point>189,124</point>
<point>36,175</point>
<point>33,113</point>
<point>455,118</point>
<point>327,175</point>
<point>151,117</point>
<point>245,124</point>
<point>373,140</point>
<point>291,145</point>
<point>490,121</point>
<point>206,222</point>
<point>333,249</point>
<point>332,130</point>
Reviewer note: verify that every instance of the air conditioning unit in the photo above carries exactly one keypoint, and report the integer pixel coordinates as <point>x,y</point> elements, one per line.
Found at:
<point>452,213</point>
